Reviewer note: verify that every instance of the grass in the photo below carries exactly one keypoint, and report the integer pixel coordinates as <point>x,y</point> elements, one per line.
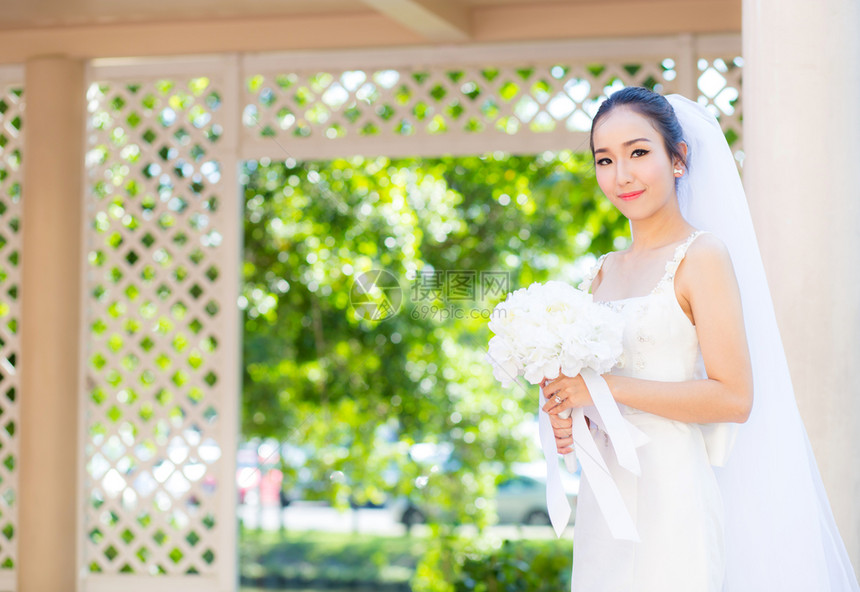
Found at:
<point>312,560</point>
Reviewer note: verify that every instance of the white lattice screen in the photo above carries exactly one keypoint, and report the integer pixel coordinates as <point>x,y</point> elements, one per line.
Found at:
<point>163,221</point>
<point>11,153</point>
<point>511,98</point>
<point>719,83</point>
<point>162,373</point>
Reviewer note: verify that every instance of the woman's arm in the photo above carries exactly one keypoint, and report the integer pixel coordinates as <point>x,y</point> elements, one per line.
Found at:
<point>708,286</point>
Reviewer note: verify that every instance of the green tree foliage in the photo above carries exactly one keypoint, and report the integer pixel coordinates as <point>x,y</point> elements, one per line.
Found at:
<point>356,395</point>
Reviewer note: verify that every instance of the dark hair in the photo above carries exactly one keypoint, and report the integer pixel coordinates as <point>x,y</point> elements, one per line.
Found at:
<point>651,105</point>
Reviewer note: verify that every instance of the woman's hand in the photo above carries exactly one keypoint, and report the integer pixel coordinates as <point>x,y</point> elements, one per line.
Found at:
<point>565,392</point>
<point>563,431</point>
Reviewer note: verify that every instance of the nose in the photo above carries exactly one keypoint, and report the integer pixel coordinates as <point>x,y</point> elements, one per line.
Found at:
<point>623,173</point>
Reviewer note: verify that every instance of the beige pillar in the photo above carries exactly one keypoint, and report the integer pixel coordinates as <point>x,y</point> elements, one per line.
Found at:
<point>50,311</point>
<point>802,144</point>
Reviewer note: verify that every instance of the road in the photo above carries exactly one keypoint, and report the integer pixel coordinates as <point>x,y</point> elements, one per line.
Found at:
<point>301,515</point>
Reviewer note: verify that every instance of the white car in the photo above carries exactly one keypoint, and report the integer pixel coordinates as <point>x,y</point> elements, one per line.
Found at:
<point>520,499</point>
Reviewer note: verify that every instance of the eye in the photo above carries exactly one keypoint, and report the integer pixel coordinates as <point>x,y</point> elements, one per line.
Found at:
<point>636,152</point>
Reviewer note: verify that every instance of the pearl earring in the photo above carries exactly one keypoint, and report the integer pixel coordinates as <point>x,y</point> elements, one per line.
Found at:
<point>679,172</point>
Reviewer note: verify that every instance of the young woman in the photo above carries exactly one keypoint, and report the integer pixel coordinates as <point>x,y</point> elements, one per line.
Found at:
<point>717,508</point>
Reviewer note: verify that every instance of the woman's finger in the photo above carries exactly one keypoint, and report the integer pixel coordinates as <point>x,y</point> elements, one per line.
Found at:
<point>562,433</point>
<point>553,384</point>
<point>554,403</point>
<point>560,422</point>
<point>563,445</point>
<point>564,436</point>
<point>559,407</point>
<point>562,393</point>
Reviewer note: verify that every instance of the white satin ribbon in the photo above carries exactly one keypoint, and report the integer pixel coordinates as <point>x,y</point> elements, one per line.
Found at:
<point>625,438</point>
<point>557,505</point>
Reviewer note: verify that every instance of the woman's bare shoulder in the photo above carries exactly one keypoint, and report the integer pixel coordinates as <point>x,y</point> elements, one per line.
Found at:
<point>709,260</point>
<point>708,247</point>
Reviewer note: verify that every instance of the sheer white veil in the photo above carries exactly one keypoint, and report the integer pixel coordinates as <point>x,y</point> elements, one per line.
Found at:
<point>780,531</point>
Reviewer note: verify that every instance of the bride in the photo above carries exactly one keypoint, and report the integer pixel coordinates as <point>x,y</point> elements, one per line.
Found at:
<point>729,498</point>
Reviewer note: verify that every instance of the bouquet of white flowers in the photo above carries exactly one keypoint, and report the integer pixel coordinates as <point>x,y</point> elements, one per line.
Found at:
<point>550,328</point>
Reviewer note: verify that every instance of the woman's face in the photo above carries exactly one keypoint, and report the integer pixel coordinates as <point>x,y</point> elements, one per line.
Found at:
<point>632,166</point>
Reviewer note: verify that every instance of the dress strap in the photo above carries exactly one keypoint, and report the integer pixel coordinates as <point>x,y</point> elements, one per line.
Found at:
<point>585,284</point>
<point>671,266</point>
<point>680,251</point>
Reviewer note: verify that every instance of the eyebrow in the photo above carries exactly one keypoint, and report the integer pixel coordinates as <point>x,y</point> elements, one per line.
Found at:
<point>627,143</point>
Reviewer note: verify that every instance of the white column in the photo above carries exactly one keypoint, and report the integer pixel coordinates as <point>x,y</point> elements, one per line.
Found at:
<point>802,143</point>
<point>50,323</point>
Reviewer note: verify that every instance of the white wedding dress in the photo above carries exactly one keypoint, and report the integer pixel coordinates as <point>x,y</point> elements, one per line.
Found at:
<point>676,502</point>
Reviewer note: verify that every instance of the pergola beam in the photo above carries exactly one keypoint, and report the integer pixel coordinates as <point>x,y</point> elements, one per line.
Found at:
<point>436,20</point>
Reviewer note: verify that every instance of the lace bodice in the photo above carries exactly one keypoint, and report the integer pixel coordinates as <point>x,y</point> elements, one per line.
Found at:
<point>660,342</point>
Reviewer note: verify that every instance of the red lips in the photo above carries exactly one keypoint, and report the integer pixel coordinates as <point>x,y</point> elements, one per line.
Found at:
<point>628,196</point>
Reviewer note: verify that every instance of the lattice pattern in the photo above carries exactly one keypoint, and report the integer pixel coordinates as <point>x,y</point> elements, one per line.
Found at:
<point>156,223</point>
<point>719,82</point>
<point>308,111</point>
<point>11,141</point>
<point>342,104</point>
